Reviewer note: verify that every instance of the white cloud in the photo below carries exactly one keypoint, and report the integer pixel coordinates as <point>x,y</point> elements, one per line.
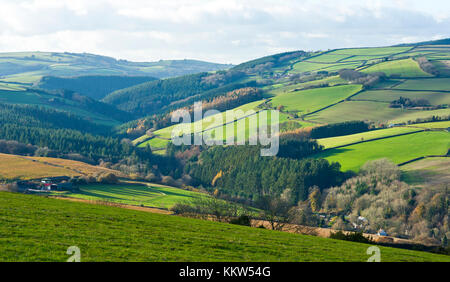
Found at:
<point>215,30</point>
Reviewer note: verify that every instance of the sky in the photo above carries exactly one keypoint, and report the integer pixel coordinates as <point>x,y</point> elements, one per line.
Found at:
<point>223,31</point>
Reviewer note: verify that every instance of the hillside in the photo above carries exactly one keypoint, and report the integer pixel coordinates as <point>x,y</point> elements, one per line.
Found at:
<point>29,67</point>
<point>14,167</point>
<point>115,234</point>
<point>93,86</point>
<point>74,104</point>
<point>310,89</point>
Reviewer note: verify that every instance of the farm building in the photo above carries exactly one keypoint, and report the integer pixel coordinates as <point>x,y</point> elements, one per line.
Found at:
<point>61,183</point>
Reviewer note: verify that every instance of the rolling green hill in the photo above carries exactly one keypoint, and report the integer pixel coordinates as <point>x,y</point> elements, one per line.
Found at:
<point>308,85</point>
<point>40,229</point>
<point>29,67</point>
<point>81,106</point>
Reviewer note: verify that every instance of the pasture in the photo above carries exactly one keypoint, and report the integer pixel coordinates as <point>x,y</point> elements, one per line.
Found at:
<point>429,84</point>
<point>41,229</point>
<point>428,172</point>
<point>310,100</point>
<point>404,68</point>
<point>332,142</point>
<point>398,149</point>
<point>14,167</point>
<point>371,111</point>
<point>435,98</point>
<point>137,194</point>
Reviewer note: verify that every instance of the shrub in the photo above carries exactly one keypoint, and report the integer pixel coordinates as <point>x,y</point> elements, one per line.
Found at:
<point>109,178</point>
<point>351,236</point>
<point>242,220</point>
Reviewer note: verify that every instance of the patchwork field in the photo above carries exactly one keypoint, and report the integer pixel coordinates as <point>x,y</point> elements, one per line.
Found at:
<point>398,149</point>
<point>429,84</point>
<point>41,229</point>
<point>137,194</point>
<point>314,99</point>
<point>371,111</point>
<point>435,98</point>
<point>428,172</point>
<point>14,167</point>
<point>404,68</point>
<point>439,124</point>
<point>77,166</point>
<point>364,136</point>
<point>379,51</point>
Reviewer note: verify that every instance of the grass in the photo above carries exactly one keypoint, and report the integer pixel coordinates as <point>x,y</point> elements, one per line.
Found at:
<point>310,100</point>
<point>378,51</point>
<point>155,143</point>
<point>371,111</point>
<point>405,68</point>
<point>428,172</point>
<point>80,167</point>
<point>398,149</point>
<point>34,98</point>
<point>14,167</point>
<point>41,229</point>
<point>425,84</point>
<point>306,66</point>
<point>435,98</point>
<point>328,58</point>
<point>364,136</point>
<point>437,124</point>
<point>148,195</point>
<point>211,122</point>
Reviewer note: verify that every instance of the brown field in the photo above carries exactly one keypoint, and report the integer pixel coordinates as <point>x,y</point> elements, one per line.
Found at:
<point>79,167</point>
<point>14,167</point>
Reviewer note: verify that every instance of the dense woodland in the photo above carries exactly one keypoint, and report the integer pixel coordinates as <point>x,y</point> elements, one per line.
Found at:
<point>169,94</point>
<point>240,171</point>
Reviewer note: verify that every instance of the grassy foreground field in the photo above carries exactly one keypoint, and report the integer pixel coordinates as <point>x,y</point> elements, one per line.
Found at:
<point>398,149</point>
<point>41,229</point>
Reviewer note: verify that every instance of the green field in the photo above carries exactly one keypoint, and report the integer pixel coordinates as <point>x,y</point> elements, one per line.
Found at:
<point>378,51</point>
<point>404,68</point>
<point>426,84</point>
<point>310,100</point>
<point>40,229</point>
<point>398,149</point>
<point>306,66</point>
<point>428,172</point>
<point>46,100</point>
<point>332,142</point>
<point>148,195</point>
<point>435,98</point>
<point>155,143</point>
<point>371,111</point>
<point>438,124</point>
<point>30,67</point>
